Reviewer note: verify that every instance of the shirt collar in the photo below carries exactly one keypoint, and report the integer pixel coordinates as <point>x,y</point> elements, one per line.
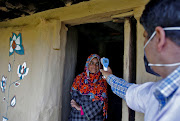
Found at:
<point>170,84</point>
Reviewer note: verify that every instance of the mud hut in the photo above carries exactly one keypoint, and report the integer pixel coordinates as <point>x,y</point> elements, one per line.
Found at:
<point>41,53</point>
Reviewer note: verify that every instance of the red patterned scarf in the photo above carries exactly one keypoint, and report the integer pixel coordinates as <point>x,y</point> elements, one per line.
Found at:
<point>92,84</point>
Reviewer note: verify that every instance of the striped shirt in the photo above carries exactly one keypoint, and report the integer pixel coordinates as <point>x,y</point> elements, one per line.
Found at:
<point>118,85</point>
<point>167,87</point>
<point>157,100</point>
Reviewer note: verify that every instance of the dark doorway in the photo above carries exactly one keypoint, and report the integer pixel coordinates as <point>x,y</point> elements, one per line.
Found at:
<point>107,40</point>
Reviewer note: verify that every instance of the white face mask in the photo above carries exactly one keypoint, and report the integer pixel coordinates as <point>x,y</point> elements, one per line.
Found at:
<point>154,33</point>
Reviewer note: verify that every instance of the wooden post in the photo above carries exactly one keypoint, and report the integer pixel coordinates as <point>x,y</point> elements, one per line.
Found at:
<point>127,41</point>
<point>141,75</point>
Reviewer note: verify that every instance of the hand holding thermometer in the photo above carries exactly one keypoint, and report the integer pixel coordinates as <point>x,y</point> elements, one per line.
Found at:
<point>105,63</point>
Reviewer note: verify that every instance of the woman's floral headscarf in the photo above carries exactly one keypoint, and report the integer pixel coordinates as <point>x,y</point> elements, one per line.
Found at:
<point>92,84</point>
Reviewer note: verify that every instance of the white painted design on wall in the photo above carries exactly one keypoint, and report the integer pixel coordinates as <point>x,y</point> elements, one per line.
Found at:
<point>13,101</point>
<point>22,70</point>
<point>3,83</point>
<point>9,67</point>
<point>16,84</point>
<point>4,119</point>
<point>16,44</point>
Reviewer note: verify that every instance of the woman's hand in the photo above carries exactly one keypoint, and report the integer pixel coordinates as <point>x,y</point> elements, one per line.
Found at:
<point>75,105</point>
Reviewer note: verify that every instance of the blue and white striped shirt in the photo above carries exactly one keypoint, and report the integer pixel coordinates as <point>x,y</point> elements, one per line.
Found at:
<point>118,85</point>
<point>163,92</point>
<point>157,100</point>
<point>167,87</point>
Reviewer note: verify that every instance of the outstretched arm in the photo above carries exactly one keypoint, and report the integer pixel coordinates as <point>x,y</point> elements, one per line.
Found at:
<point>119,86</point>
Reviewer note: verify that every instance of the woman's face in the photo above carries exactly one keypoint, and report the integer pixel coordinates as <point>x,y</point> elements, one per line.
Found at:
<point>93,65</point>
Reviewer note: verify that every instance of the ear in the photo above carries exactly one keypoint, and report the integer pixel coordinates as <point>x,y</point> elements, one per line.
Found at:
<point>161,38</point>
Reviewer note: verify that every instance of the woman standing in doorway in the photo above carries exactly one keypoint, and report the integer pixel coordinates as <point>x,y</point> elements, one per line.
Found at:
<point>89,93</point>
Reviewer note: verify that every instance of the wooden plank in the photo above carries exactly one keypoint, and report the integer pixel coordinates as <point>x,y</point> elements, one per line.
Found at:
<point>126,72</point>
<point>94,8</point>
<point>127,14</point>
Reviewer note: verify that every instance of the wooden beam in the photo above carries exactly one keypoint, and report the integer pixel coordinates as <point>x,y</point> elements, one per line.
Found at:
<point>101,9</point>
<point>123,15</point>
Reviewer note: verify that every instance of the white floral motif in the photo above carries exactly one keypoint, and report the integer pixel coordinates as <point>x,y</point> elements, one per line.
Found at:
<point>13,101</point>
<point>16,84</point>
<point>5,119</point>
<point>9,67</point>
<point>3,83</point>
<point>16,44</point>
<point>22,70</point>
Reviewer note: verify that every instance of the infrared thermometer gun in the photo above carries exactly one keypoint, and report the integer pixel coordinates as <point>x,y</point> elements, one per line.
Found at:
<point>105,63</point>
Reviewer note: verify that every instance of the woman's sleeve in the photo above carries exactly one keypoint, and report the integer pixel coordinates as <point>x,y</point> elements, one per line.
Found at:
<point>75,96</point>
<point>74,91</point>
<point>91,110</point>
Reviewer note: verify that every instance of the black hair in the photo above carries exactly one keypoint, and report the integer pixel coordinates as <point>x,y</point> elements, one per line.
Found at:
<point>164,13</point>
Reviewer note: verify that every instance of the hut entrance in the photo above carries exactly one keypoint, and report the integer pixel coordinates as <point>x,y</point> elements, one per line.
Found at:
<point>105,39</point>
